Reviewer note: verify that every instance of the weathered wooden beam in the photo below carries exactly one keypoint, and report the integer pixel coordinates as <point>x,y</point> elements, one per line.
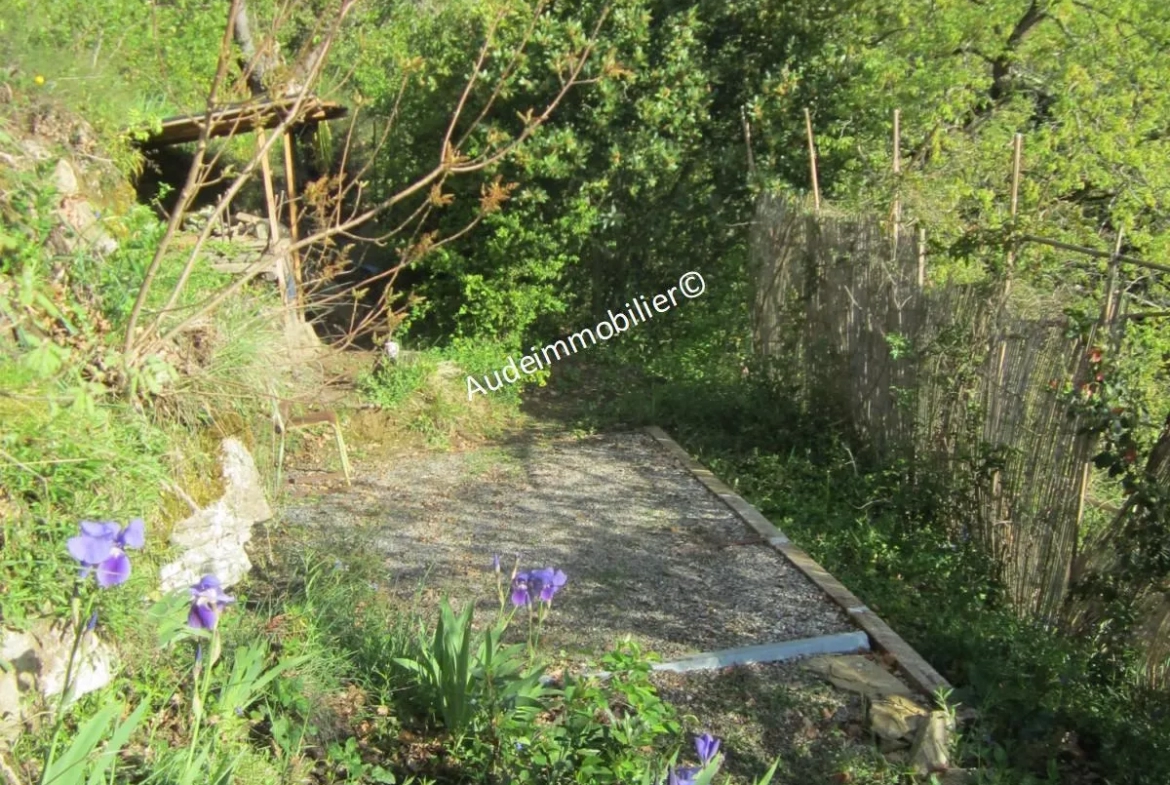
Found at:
<point>235,119</point>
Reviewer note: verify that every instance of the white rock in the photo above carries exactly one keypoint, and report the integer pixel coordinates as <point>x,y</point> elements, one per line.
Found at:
<point>894,717</point>
<point>79,215</point>
<point>10,713</point>
<point>65,179</point>
<point>35,150</point>
<point>213,539</point>
<point>39,658</point>
<point>244,486</point>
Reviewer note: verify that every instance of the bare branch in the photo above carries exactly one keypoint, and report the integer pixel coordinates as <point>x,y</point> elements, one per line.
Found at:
<point>483,53</point>
<point>293,115</point>
<point>189,188</point>
<point>503,80</point>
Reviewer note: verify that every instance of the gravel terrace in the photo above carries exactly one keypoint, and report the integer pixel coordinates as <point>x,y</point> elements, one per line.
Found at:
<point>648,550</point>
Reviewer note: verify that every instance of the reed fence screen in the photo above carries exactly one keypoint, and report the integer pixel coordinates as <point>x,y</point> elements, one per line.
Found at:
<point>951,375</point>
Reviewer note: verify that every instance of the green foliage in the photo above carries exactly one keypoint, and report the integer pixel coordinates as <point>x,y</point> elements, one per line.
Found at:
<point>81,761</point>
<point>636,179</point>
<point>513,725</point>
<point>887,533</point>
<point>601,733</point>
<point>158,62</point>
<point>392,383</point>
<point>464,677</point>
<point>444,669</point>
<point>1080,82</point>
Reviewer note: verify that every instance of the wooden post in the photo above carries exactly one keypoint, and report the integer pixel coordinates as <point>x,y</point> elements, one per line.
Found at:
<point>1084,442</point>
<point>290,177</point>
<point>273,220</point>
<point>897,211</point>
<point>1109,312</point>
<point>812,160</point>
<point>1017,151</point>
<point>747,140</point>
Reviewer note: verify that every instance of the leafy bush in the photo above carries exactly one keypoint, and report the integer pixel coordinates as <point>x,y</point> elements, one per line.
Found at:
<point>391,384</point>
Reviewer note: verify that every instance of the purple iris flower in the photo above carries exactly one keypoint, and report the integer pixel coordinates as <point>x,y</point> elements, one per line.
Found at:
<point>707,746</point>
<point>101,547</point>
<point>537,585</point>
<point>682,776</point>
<point>545,583</point>
<point>496,562</point>
<point>520,589</point>
<point>207,601</point>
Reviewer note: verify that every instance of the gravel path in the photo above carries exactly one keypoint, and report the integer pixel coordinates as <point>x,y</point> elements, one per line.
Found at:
<point>648,550</point>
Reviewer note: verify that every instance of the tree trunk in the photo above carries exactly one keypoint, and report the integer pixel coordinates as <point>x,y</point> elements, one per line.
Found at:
<point>256,65</point>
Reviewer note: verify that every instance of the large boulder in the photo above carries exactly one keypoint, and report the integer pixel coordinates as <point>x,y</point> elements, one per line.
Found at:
<point>212,539</point>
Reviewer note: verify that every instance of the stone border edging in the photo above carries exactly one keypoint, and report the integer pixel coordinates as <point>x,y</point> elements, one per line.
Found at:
<point>921,674</point>
<point>837,643</point>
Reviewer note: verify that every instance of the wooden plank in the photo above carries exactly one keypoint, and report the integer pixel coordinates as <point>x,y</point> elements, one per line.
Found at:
<point>241,118</point>
<point>914,667</point>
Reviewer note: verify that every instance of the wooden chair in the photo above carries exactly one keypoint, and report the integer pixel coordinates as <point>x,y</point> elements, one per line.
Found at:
<point>284,421</point>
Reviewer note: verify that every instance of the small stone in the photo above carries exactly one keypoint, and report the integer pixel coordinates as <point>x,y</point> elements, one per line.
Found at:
<point>931,749</point>
<point>10,715</point>
<point>39,658</point>
<point>859,674</point>
<point>895,717</point>
<point>80,216</point>
<point>64,178</point>
<point>35,150</point>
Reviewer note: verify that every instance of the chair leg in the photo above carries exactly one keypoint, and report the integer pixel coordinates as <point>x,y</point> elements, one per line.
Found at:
<point>279,462</point>
<point>342,453</point>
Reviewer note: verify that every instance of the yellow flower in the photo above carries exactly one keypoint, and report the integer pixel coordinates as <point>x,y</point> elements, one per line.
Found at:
<point>39,79</point>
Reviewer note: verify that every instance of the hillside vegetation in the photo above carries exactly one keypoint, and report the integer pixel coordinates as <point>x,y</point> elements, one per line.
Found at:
<point>506,173</point>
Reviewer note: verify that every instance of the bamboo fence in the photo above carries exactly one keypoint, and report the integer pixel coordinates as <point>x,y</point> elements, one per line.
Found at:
<point>956,377</point>
<point>948,374</point>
